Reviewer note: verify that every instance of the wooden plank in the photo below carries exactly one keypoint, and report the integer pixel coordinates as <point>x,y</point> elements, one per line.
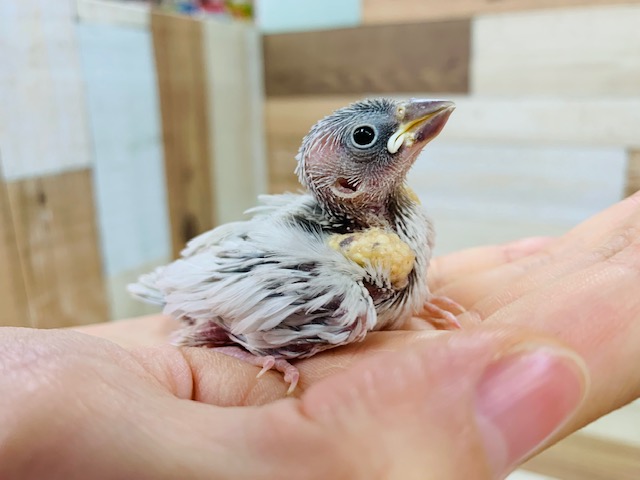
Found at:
<point>518,120</point>
<point>633,172</point>
<point>57,241</point>
<point>528,121</point>
<point>182,83</point>
<point>486,194</point>
<point>130,14</point>
<point>402,11</point>
<point>582,457</point>
<point>43,125</point>
<point>122,304</point>
<point>579,51</point>
<point>236,98</point>
<point>133,219</point>
<point>15,308</point>
<point>375,59</point>
<point>589,121</point>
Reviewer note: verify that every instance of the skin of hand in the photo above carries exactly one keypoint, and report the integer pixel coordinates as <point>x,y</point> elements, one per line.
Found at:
<point>550,344</point>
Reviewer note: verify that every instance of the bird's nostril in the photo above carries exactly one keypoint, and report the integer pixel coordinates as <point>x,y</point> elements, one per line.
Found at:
<point>345,185</point>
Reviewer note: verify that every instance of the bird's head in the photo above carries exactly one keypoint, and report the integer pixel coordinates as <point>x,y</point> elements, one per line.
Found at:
<point>356,159</point>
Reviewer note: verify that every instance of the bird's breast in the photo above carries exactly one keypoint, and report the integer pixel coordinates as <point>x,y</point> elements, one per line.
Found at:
<point>380,250</point>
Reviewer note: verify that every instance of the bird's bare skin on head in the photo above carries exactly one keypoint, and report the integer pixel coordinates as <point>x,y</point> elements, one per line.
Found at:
<point>314,271</point>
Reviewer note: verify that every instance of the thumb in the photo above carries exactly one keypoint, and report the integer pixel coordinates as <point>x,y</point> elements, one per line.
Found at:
<point>468,405</point>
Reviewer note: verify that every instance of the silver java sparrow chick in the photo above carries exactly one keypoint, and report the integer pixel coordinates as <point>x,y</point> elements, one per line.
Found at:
<point>314,271</point>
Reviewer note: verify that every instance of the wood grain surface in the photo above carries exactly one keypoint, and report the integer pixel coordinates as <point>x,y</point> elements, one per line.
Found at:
<point>43,121</point>
<point>376,59</point>
<point>401,11</point>
<point>591,51</point>
<point>57,243</point>
<point>13,297</point>
<point>182,83</point>
<point>233,57</point>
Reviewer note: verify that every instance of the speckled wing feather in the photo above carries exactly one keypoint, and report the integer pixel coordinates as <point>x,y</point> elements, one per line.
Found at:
<point>269,284</point>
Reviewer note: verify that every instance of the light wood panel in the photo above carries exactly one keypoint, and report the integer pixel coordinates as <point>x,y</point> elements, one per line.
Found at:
<point>123,304</point>
<point>633,173</point>
<point>129,14</point>
<point>378,59</point>
<point>582,457</point>
<point>57,243</point>
<point>519,121</point>
<point>43,124</point>
<point>128,171</point>
<point>401,11</point>
<point>579,51</point>
<point>233,58</point>
<point>14,308</point>
<point>605,121</point>
<point>182,82</point>
<point>488,194</point>
<point>485,121</point>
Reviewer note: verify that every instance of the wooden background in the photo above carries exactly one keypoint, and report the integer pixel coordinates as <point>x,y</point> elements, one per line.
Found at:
<point>206,116</point>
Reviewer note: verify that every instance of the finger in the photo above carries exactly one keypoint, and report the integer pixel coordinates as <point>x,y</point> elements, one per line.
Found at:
<point>569,253</point>
<point>444,407</point>
<point>597,312</point>
<point>432,397</point>
<point>590,253</point>
<point>448,268</point>
<point>456,406</point>
<point>204,375</point>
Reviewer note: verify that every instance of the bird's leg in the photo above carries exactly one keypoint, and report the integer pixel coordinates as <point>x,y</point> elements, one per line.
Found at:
<point>441,312</point>
<point>290,373</point>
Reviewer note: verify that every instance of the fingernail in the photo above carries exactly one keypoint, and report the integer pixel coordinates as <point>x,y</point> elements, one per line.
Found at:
<point>524,397</point>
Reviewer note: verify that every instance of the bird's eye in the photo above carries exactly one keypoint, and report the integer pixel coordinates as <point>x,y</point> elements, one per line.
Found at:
<point>364,136</point>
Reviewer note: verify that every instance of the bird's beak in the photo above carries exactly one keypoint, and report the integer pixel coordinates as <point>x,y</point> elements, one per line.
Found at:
<point>420,122</point>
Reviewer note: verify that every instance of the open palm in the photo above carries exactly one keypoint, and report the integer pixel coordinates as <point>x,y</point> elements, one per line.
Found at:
<point>549,344</point>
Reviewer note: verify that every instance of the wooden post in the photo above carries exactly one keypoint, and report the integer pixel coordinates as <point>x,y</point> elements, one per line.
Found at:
<point>178,46</point>
<point>210,86</point>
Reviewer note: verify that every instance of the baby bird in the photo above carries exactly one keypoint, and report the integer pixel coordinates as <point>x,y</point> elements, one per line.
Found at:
<point>313,271</point>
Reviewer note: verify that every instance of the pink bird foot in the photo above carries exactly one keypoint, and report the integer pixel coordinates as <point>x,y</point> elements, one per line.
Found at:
<point>441,312</point>
<point>290,373</point>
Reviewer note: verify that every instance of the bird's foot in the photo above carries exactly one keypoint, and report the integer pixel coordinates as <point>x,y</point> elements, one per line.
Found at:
<point>441,312</point>
<point>290,373</point>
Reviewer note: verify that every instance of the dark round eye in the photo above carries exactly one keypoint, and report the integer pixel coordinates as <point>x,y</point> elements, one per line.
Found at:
<point>364,136</point>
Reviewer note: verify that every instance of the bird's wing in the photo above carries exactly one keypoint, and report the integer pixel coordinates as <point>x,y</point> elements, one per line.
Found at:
<point>273,286</point>
<point>281,205</point>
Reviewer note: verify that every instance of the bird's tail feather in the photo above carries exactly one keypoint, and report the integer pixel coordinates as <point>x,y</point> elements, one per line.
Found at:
<point>145,289</point>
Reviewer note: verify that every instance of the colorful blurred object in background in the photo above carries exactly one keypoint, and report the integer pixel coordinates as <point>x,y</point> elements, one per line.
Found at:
<point>241,9</point>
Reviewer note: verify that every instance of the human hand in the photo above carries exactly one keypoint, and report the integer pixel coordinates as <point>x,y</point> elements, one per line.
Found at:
<point>447,406</point>
<point>79,406</point>
<point>416,394</point>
